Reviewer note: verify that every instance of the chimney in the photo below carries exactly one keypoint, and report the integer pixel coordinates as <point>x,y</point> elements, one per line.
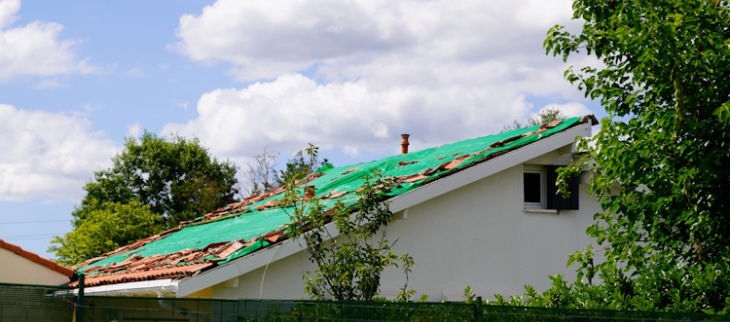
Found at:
<point>308,192</point>
<point>404,143</point>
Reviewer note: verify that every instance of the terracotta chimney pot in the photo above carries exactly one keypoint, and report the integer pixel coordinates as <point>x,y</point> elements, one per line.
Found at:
<point>404,143</point>
<point>308,192</point>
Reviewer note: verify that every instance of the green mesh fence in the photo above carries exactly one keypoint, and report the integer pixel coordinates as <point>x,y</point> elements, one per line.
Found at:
<point>34,303</point>
<point>38,303</point>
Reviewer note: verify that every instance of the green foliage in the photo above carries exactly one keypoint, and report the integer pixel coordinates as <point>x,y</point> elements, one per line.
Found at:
<point>176,177</point>
<point>661,169</point>
<point>545,116</point>
<point>469,296</point>
<point>301,165</point>
<point>349,267</point>
<point>111,226</point>
<point>279,311</point>
<point>683,289</point>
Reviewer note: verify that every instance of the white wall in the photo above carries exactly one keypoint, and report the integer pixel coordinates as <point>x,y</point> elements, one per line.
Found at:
<point>19,270</point>
<point>477,235</point>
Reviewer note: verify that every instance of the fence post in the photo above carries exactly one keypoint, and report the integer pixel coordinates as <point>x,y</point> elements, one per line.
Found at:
<point>479,311</point>
<point>80,300</point>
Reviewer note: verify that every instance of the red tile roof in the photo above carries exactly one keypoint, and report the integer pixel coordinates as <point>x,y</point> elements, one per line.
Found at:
<point>35,258</point>
<point>153,273</point>
<point>188,262</point>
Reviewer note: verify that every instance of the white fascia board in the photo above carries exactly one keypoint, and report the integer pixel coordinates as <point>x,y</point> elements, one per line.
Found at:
<point>247,263</point>
<point>454,181</point>
<point>153,287</point>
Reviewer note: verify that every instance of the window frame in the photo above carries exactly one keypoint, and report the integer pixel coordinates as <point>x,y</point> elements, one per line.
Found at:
<point>543,191</point>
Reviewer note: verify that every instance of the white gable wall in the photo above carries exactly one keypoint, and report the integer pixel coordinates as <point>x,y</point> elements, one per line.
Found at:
<point>17,269</point>
<point>477,235</point>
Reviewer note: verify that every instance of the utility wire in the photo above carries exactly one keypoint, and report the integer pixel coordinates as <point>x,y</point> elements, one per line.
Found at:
<point>31,222</point>
<point>33,235</point>
<point>29,238</point>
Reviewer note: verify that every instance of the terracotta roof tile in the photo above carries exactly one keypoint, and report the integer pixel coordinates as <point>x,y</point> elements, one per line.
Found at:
<point>155,273</point>
<point>187,262</point>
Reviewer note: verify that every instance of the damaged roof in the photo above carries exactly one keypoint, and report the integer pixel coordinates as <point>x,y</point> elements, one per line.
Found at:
<point>239,229</point>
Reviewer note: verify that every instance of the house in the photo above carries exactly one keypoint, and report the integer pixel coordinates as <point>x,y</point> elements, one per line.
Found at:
<point>480,212</point>
<point>20,266</point>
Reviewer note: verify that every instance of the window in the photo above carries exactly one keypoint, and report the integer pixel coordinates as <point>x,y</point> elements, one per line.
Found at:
<point>534,185</point>
<point>540,191</point>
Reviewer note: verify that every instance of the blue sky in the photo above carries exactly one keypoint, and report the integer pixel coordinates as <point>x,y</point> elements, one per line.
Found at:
<point>348,76</point>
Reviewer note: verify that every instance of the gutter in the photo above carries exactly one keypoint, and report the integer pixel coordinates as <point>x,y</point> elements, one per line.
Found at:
<point>167,287</point>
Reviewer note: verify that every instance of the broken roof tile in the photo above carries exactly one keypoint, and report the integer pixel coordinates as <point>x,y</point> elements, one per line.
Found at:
<point>236,229</point>
<point>351,170</point>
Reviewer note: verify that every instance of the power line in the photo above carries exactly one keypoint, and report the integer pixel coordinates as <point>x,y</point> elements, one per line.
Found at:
<point>32,235</point>
<point>31,222</point>
<point>29,238</point>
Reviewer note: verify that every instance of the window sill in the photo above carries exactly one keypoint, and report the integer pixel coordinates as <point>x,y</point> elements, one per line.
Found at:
<point>541,211</point>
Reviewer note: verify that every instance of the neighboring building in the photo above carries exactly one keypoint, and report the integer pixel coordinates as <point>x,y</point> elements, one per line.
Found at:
<point>480,212</point>
<point>20,266</point>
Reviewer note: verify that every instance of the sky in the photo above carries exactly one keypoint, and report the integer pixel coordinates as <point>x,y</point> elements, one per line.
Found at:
<point>244,76</point>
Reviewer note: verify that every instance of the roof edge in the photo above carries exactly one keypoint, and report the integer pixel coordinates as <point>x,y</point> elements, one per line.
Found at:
<point>33,257</point>
<point>434,189</point>
<point>485,169</point>
<point>139,288</point>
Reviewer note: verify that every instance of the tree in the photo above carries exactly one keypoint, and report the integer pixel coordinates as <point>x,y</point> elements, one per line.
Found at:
<point>159,179</point>
<point>260,172</point>
<point>661,158</point>
<point>299,167</point>
<point>543,117</point>
<point>174,176</point>
<point>107,228</point>
<point>263,177</point>
<point>348,267</point>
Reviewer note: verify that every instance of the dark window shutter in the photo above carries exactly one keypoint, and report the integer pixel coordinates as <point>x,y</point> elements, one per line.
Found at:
<point>555,201</point>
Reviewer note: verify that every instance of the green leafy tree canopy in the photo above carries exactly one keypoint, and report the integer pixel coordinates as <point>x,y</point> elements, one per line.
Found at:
<point>662,158</point>
<point>111,226</point>
<point>174,176</point>
<point>154,184</point>
<point>301,165</point>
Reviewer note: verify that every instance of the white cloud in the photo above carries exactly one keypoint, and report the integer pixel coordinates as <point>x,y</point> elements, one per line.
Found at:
<point>264,39</point>
<point>134,72</point>
<point>49,83</point>
<point>48,155</point>
<point>181,104</point>
<point>91,108</point>
<point>293,110</point>
<point>440,70</point>
<point>134,130</point>
<point>35,49</point>
<point>569,109</point>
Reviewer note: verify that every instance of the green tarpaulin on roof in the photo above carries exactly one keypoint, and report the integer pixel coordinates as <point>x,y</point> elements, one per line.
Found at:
<point>349,178</point>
